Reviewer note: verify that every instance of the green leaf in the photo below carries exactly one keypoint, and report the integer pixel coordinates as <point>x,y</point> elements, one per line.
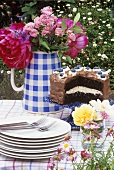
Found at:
<point>44,44</point>
<point>77,17</point>
<point>25,9</point>
<point>32,3</point>
<point>63,25</point>
<point>69,59</point>
<point>77,29</point>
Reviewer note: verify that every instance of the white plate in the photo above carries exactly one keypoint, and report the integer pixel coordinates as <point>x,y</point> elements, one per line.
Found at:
<point>28,150</point>
<point>59,128</point>
<point>26,156</point>
<point>31,144</point>
<point>40,140</point>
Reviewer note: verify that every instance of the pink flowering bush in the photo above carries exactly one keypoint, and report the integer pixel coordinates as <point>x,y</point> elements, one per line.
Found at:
<point>46,33</point>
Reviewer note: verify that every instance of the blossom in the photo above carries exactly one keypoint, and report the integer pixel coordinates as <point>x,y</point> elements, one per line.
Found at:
<point>101,105</point>
<point>76,46</point>
<point>49,25</point>
<point>16,26</point>
<point>91,125</point>
<point>66,146</point>
<point>85,155</point>
<point>15,48</point>
<point>82,114</point>
<point>45,33</point>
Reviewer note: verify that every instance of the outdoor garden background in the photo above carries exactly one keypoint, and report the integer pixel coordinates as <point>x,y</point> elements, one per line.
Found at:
<point>97,17</point>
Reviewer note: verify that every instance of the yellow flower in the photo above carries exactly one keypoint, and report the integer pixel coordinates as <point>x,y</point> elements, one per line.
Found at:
<point>84,113</point>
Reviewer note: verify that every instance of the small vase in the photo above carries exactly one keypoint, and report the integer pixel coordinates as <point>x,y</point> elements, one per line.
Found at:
<point>94,137</point>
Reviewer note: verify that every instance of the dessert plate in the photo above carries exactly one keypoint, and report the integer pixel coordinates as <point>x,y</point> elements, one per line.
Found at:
<point>28,150</point>
<point>30,144</point>
<point>26,156</point>
<point>21,146</point>
<point>58,129</point>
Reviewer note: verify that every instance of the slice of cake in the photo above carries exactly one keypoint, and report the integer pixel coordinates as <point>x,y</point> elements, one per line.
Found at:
<point>79,84</point>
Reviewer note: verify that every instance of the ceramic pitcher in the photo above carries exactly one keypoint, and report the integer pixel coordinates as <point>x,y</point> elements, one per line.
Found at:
<point>36,83</point>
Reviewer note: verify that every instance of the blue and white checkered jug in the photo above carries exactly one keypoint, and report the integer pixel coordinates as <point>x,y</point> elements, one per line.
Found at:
<point>37,84</point>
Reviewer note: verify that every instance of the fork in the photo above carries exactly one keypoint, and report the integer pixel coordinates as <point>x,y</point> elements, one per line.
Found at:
<point>22,124</point>
<point>40,128</point>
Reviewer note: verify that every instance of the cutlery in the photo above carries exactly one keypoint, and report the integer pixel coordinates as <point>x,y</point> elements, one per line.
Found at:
<point>22,124</point>
<point>40,128</point>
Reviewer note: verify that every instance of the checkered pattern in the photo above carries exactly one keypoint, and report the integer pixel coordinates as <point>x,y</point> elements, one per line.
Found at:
<point>37,84</point>
<point>13,108</point>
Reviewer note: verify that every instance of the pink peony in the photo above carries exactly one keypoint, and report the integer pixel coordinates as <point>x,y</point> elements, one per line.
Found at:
<point>76,46</point>
<point>15,49</point>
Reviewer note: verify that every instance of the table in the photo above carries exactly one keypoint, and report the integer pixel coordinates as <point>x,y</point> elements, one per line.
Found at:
<point>12,108</point>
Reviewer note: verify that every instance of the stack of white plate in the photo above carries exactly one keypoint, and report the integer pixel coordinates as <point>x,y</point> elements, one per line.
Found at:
<point>32,143</point>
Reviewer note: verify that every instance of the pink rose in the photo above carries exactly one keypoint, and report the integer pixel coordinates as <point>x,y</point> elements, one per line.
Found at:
<point>47,10</point>
<point>33,33</point>
<point>58,31</point>
<point>28,26</point>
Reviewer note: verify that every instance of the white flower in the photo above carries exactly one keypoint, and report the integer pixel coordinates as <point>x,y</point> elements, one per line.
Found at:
<point>74,9</point>
<point>104,56</point>
<point>99,54</point>
<point>103,21</point>
<point>89,19</point>
<point>89,13</point>
<point>65,146</point>
<point>70,15</point>
<point>101,106</point>
<point>67,4</point>
<point>100,9</point>
<point>93,6</point>
<point>112,39</point>
<point>105,42</point>
<point>8,72</point>
<point>84,17</point>
<point>108,25</point>
<point>94,45</point>
<point>61,12</point>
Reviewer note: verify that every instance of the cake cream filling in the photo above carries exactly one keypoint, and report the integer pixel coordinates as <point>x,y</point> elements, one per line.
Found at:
<point>83,90</point>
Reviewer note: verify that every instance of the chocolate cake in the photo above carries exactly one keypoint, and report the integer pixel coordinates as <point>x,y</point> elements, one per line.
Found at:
<point>79,84</point>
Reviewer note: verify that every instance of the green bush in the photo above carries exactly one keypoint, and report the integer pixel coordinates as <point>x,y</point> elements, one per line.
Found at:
<point>97,19</point>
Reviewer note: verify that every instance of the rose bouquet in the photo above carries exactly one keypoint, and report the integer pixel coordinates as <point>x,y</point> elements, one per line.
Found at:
<point>46,33</point>
<point>91,158</point>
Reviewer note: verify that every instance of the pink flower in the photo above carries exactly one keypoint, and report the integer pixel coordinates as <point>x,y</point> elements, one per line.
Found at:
<point>15,49</point>
<point>17,26</point>
<point>76,46</point>
<point>46,10</point>
<point>71,37</point>
<point>104,115</point>
<point>85,155</point>
<point>33,33</point>
<point>28,26</point>
<point>58,32</point>
<point>37,22</point>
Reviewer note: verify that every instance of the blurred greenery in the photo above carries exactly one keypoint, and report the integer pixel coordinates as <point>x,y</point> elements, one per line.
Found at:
<point>97,17</point>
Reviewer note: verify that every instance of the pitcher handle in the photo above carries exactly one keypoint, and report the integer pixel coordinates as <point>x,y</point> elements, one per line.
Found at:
<point>13,82</point>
